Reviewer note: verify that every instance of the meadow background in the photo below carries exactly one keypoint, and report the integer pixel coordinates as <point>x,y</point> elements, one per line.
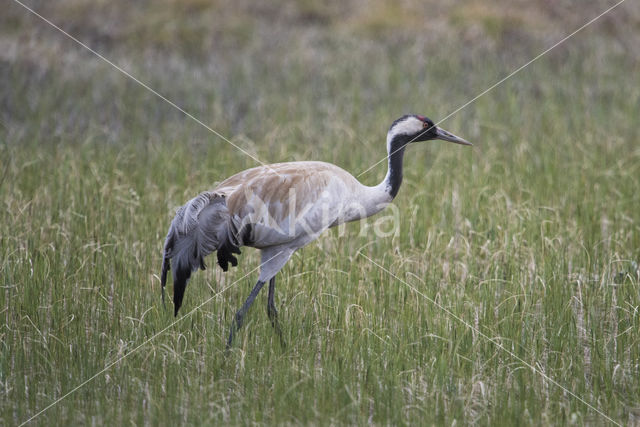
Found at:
<point>532,236</point>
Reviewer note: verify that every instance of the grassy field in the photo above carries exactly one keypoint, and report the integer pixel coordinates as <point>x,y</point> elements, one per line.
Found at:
<point>530,240</point>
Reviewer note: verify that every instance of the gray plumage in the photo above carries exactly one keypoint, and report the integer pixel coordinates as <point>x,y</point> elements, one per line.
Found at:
<point>196,231</point>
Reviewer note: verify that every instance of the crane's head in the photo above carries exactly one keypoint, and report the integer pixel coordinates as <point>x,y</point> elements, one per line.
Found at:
<point>414,128</point>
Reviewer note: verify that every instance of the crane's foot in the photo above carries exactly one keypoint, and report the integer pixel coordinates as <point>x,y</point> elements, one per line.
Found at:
<point>273,316</point>
<point>235,325</point>
<point>283,343</point>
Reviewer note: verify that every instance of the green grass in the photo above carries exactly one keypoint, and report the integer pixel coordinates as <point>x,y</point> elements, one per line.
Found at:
<point>532,236</point>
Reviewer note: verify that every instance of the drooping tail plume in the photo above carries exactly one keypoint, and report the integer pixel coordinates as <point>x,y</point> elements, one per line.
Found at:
<point>195,232</point>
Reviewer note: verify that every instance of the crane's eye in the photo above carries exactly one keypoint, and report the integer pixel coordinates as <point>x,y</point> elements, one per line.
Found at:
<point>425,125</point>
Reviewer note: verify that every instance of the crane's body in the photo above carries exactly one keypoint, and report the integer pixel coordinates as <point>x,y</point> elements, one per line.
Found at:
<point>287,201</point>
<point>279,209</point>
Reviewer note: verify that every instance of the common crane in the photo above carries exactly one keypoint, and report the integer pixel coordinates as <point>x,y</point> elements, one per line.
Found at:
<point>280,208</point>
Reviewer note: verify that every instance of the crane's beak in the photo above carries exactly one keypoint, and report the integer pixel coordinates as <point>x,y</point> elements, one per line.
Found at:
<point>448,136</point>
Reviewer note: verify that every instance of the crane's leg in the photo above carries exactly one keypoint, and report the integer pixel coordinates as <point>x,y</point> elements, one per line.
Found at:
<point>271,305</point>
<point>273,259</point>
<point>271,310</point>
<point>239,317</point>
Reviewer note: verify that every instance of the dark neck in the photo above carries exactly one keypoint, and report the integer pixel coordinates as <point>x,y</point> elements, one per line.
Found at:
<point>394,174</point>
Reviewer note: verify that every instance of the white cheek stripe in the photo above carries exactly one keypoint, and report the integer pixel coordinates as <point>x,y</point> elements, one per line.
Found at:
<point>409,126</point>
